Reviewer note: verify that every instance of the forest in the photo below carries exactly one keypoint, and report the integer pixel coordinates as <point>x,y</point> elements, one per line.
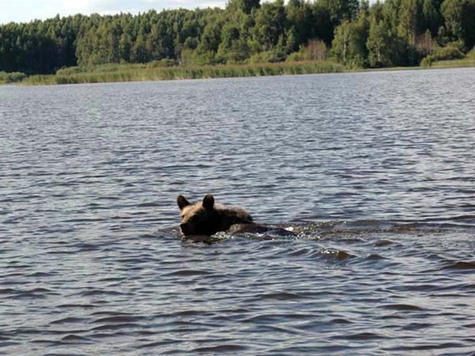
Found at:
<point>353,33</point>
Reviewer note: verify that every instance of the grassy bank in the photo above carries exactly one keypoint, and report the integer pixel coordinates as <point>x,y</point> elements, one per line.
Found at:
<point>8,78</point>
<point>155,71</point>
<point>144,72</point>
<point>454,63</point>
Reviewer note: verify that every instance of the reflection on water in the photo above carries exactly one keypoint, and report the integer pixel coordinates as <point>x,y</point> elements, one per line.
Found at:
<point>373,172</point>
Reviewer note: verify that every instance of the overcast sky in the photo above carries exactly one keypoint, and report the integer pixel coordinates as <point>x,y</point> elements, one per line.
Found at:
<point>27,10</point>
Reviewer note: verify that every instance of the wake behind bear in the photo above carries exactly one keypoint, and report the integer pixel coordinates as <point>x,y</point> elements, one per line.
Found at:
<point>208,218</point>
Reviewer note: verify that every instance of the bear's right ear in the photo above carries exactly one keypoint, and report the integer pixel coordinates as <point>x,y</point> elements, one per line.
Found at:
<point>208,201</point>
<point>182,202</point>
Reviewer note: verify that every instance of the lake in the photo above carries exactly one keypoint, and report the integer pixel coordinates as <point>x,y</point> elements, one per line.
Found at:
<point>375,172</point>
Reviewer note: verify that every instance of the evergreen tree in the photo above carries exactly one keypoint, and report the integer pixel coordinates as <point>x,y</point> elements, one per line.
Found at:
<point>245,6</point>
<point>349,45</point>
<point>270,24</point>
<point>459,17</point>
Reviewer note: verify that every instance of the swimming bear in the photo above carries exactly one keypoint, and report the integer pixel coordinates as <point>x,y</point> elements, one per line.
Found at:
<point>208,218</point>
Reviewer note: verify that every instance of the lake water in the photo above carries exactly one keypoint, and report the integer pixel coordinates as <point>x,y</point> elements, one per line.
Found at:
<point>375,172</point>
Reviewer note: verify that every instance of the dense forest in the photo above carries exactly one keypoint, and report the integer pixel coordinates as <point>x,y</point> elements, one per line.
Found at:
<point>356,34</point>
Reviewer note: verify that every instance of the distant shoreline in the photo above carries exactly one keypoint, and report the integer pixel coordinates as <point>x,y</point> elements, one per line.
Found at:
<point>154,72</point>
<point>115,73</point>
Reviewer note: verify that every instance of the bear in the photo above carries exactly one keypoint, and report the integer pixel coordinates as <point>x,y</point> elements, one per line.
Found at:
<point>208,218</point>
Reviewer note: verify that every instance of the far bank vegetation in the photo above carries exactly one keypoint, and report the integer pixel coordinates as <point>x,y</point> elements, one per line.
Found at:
<point>246,38</point>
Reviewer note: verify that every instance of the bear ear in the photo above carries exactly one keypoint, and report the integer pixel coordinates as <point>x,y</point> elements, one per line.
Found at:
<point>208,201</point>
<point>182,202</point>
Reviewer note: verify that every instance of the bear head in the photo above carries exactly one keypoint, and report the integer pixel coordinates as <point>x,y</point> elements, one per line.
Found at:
<point>200,218</point>
<point>207,218</point>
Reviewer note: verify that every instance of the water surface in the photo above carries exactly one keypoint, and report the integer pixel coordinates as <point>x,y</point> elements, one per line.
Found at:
<point>373,171</point>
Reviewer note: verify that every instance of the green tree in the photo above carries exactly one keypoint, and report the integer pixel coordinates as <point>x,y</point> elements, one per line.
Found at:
<point>459,17</point>
<point>125,46</point>
<point>245,6</point>
<point>408,20</point>
<point>349,44</point>
<point>210,40</point>
<point>323,27</point>
<point>340,10</point>
<point>139,52</point>
<point>379,44</point>
<point>234,35</point>
<point>299,24</point>
<point>431,15</point>
<point>270,25</point>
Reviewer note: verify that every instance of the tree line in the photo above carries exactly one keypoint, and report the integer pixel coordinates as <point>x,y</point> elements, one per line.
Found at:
<point>357,34</point>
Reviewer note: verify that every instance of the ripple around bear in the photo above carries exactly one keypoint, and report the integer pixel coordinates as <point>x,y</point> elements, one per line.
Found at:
<point>207,218</point>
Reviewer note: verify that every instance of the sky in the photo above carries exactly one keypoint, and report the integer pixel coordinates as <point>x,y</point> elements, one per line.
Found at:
<point>27,10</point>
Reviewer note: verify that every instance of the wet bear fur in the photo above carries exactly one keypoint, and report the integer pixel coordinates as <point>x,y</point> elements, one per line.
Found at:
<point>208,218</point>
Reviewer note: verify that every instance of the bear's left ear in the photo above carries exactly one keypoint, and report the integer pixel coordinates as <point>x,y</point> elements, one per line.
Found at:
<point>208,201</point>
<point>182,202</point>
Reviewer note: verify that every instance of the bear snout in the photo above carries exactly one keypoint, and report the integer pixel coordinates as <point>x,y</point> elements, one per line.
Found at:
<point>185,228</point>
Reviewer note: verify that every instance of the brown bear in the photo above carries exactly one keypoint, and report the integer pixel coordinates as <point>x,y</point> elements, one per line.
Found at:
<point>207,218</point>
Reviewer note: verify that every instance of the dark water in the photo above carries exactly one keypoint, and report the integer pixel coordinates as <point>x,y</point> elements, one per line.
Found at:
<point>375,173</point>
